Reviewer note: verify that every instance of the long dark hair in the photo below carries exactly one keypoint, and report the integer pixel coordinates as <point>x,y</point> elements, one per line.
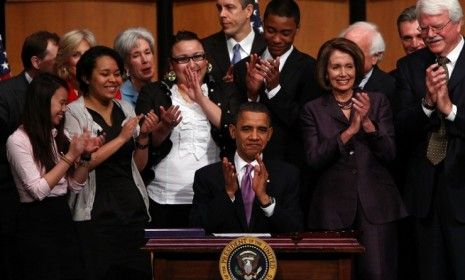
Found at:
<point>37,121</point>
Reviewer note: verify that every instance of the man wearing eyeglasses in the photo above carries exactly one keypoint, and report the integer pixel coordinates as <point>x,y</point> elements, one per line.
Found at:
<point>431,127</point>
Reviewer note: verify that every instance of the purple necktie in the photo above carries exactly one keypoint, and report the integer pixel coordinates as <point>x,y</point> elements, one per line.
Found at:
<point>248,194</point>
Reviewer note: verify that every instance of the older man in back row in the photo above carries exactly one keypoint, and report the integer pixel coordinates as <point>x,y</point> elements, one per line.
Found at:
<point>368,38</point>
<point>431,126</point>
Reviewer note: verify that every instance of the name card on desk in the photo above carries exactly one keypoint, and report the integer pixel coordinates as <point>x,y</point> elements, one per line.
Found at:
<point>174,232</point>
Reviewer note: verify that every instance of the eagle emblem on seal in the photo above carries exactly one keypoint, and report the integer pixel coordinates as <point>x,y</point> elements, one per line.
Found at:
<point>247,265</point>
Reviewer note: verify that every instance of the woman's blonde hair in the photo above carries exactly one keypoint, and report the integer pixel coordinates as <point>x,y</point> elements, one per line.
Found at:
<point>67,46</point>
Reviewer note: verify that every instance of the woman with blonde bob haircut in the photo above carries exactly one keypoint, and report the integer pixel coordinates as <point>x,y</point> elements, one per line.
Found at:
<point>71,47</point>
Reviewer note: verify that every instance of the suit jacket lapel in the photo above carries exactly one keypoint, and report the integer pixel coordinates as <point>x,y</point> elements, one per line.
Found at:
<point>221,53</point>
<point>258,44</point>
<point>373,82</point>
<point>458,74</point>
<point>329,104</point>
<point>289,67</point>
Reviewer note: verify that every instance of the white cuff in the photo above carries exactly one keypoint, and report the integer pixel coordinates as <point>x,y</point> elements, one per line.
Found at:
<point>272,92</point>
<point>269,210</point>
<point>452,114</point>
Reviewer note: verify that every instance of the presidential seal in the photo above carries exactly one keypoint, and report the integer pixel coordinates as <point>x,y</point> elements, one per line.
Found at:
<point>248,258</point>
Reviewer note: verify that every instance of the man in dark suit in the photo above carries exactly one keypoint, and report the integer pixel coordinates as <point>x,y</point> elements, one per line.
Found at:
<point>431,125</point>
<point>223,199</point>
<point>368,38</point>
<point>38,55</point>
<point>237,32</point>
<point>282,78</point>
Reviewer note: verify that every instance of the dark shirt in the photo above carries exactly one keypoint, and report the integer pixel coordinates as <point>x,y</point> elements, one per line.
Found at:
<point>117,199</point>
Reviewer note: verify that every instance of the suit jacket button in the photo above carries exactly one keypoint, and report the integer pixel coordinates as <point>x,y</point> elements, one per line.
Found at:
<point>354,171</point>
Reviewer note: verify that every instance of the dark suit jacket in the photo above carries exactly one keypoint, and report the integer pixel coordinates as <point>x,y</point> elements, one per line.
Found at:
<point>351,172</point>
<point>218,55</point>
<point>413,128</point>
<point>12,98</point>
<point>297,87</point>
<point>213,210</point>
<point>381,81</point>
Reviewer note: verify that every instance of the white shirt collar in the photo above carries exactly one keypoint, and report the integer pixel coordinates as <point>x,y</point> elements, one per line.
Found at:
<point>366,78</point>
<point>282,59</point>
<point>246,45</point>
<point>453,56</point>
<point>28,77</point>
<point>240,163</point>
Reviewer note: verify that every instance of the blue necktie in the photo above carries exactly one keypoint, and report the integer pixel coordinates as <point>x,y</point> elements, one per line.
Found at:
<point>236,54</point>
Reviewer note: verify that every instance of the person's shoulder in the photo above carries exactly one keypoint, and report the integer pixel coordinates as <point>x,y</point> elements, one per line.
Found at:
<point>215,37</point>
<point>17,137</point>
<point>17,82</point>
<point>415,57</point>
<point>127,107</point>
<point>280,167</point>
<point>76,105</point>
<point>210,169</point>
<point>375,95</point>
<point>156,86</point>
<point>317,102</point>
<point>384,76</point>
<point>303,56</point>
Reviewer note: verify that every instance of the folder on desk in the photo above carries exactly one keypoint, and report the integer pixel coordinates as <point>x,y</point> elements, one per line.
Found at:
<point>174,232</point>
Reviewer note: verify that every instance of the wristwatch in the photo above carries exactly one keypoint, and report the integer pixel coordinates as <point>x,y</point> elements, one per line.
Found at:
<point>141,146</point>
<point>269,203</point>
<point>426,105</point>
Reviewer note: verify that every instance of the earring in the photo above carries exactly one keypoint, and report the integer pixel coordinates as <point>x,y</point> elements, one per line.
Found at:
<point>170,76</point>
<point>209,67</point>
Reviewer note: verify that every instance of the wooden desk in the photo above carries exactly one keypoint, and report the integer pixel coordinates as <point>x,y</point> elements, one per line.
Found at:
<point>313,257</point>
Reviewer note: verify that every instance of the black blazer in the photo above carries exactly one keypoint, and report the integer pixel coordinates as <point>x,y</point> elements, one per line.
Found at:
<point>218,55</point>
<point>213,210</point>
<point>298,86</point>
<point>413,128</point>
<point>351,172</point>
<point>381,81</point>
<point>12,99</point>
